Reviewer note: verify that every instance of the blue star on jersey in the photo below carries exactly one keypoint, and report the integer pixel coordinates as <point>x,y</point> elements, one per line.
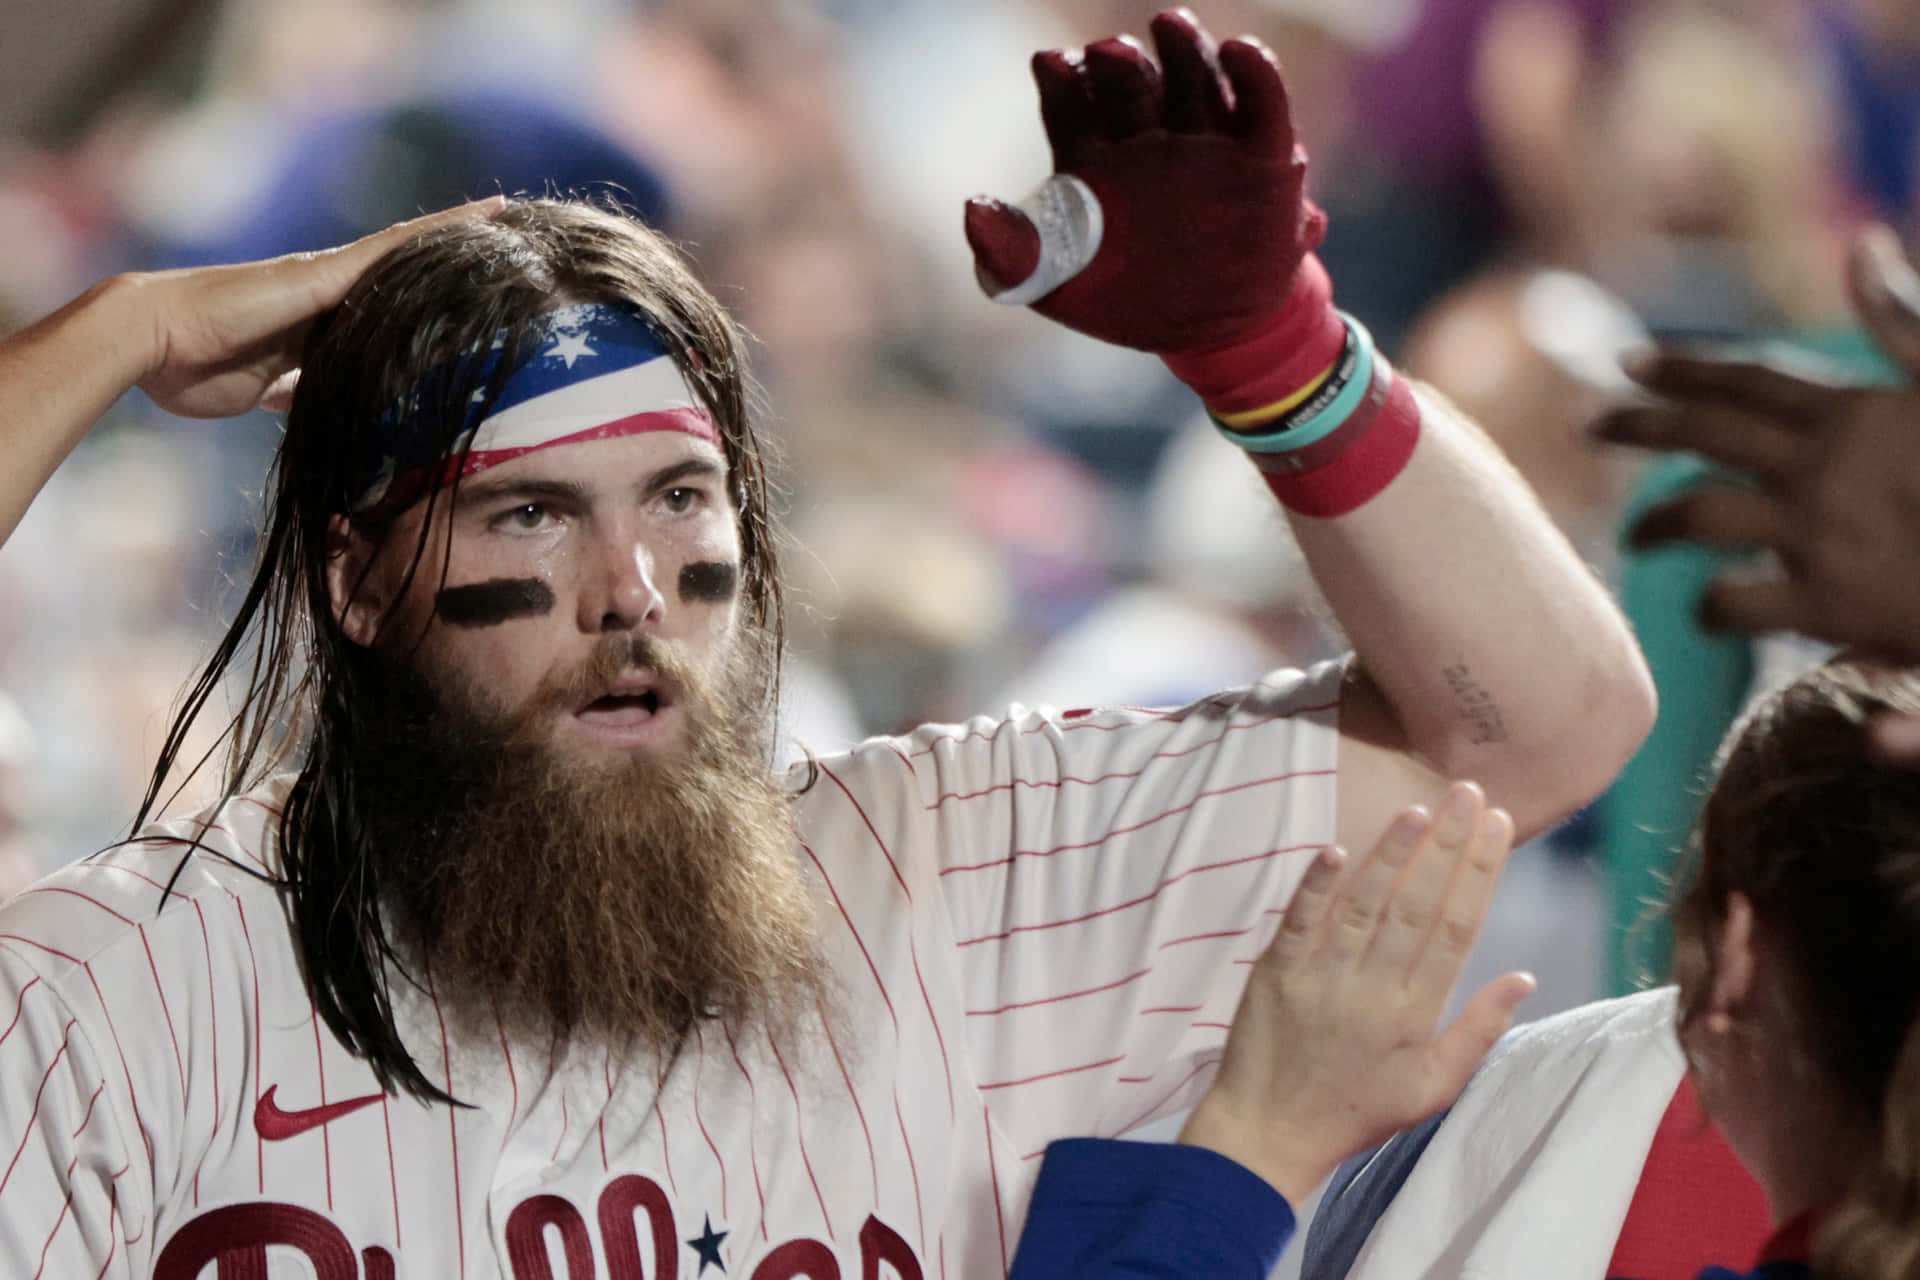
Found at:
<point>707,1245</point>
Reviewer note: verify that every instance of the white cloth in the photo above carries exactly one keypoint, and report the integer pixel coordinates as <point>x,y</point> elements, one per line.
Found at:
<point>1039,927</point>
<point>1533,1169</point>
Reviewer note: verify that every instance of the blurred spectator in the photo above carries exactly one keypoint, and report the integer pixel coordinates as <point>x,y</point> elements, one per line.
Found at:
<point>1223,598</point>
<point>24,855</point>
<point>1873,47</point>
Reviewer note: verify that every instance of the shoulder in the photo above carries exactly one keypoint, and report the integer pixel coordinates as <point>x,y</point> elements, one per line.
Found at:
<point>1288,698</point>
<point>142,892</point>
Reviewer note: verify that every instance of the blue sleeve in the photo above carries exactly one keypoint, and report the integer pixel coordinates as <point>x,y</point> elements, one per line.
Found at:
<point>1111,1210</point>
<point>1356,1196</point>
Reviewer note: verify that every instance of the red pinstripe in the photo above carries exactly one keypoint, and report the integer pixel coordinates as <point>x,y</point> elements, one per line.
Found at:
<point>1049,1075</point>
<point>320,1073</point>
<point>453,1125</point>
<point>213,1006</point>
<point>75,893</point>
<point>1141,825</point>
<point>136,874</point>
<point>913,945</point>
<point>606,1071</point>
<point>66,1207</point>
<point>89,1114</point>
<point>873,1161</point>
<point>1134,902</point>
<point>800,1135</point>
<point>253,968</point>
<point>666,1156</point>
<point>753,1137</point>
<point>258,803</point>
<point>159,987</point>
<point>859,941</point>
<point>913,1166</point>
<point>513,1079</point>
<point>26,1134</point>
<point>699,1070</point>
<point>1173,1008</point>
<point>133,1094</point>
<point>993,1169</point>
<point>139,1235</point>
<point>113,1241</point>
<point>393,1169</point>
<point>1070,995</point>
<point>1208,1060</point>
<point>565,1124</point>
<point>239,847</point>
<point>1203,937</point>
<point>35,942</point>
<point>1146,716</point>
<point>1055,783</point>
<point>19,1005</point>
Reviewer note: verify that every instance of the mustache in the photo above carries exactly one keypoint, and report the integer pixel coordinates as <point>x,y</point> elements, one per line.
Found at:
<point>614,655</point>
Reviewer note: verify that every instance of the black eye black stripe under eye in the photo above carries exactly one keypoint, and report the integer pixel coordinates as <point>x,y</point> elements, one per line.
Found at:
<point>709,581</point>
<point>497,600</point>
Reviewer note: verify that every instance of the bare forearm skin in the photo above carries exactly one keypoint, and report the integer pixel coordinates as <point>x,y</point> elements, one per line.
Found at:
<point>57,377</point>
<point>1486,648</point>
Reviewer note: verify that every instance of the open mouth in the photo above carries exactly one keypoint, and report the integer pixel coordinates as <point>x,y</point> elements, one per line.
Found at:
<point>633,711</point>
<point>647,701</point>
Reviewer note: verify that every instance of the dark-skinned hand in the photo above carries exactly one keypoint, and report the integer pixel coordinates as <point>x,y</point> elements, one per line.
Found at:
<point>1829,480</point>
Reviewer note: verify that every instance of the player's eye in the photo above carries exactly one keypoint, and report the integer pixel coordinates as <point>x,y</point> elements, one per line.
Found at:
<point>524,518</point>
<point>680,499</point>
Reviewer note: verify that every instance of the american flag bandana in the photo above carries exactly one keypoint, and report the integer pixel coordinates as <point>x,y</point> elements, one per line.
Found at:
<point>596,371</point>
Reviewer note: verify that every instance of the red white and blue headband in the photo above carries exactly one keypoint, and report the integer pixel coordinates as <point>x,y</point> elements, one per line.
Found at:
<point>595,371</point>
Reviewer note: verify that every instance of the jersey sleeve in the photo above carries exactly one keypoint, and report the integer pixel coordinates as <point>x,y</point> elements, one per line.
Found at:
<point>72,1198</point>
<point>1149,1211</point>
<point>1110,875</point>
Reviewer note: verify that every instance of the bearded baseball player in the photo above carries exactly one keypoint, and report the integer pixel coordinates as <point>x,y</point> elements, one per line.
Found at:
<point>507,952</point>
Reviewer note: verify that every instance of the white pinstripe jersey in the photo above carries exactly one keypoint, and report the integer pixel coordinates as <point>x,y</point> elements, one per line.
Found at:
<point>1039,927</point>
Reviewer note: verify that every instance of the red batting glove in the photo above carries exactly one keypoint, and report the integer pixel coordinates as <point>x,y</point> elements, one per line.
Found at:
<point>1201,189</point>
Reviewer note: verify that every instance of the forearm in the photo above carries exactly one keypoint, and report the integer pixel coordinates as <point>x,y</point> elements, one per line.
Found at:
<point>57,378</point>
<point>1495,650</point>
<point>1102,1210</point>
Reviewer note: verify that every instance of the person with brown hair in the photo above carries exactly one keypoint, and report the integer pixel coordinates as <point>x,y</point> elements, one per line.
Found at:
<point>506,949</point>
<point>1797,1013</point>
<point>1797,952</point>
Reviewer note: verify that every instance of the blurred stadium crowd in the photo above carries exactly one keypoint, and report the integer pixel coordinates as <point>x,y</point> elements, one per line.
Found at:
<point>987,507</point>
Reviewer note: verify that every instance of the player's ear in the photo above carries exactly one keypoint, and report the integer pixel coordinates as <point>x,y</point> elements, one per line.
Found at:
<point>355,588</point>
<point>1736,961</point>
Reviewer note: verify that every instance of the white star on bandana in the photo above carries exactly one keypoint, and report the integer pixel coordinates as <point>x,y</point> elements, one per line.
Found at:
<point>569,347</point>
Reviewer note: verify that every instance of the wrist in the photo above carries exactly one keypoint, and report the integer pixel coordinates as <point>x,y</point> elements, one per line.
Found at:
<point>1289,1167</point>
<point>1257,373</point>
<point>126,326</point>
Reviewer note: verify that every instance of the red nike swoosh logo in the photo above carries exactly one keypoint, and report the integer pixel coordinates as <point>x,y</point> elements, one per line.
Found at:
<point>275,1125</point>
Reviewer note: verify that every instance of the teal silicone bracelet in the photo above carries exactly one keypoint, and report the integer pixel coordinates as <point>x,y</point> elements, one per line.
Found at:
<point>1321,416</point>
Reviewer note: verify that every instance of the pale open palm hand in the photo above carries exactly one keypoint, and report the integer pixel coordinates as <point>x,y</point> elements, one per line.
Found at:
<point>1337,1042</point>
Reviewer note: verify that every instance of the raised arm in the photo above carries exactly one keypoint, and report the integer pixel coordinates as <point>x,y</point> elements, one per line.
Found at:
<point>204,343</point>
<point>1337,1044</point>
<point>1176,222</point>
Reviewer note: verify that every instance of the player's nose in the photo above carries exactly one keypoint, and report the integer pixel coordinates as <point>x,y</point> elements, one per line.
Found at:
<point>625,594</point>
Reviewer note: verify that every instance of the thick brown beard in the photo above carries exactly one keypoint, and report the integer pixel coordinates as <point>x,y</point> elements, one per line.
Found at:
<point>549,897</point>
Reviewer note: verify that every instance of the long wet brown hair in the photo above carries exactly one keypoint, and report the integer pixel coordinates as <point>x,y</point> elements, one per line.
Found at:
<point>448,292</point>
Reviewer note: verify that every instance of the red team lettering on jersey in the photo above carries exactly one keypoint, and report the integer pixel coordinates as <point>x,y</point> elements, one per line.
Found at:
<point>1039,926</point>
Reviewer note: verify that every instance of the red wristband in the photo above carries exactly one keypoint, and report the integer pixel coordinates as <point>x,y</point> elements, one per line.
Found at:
<point>1297,344</point>
<point>1357,461</point>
